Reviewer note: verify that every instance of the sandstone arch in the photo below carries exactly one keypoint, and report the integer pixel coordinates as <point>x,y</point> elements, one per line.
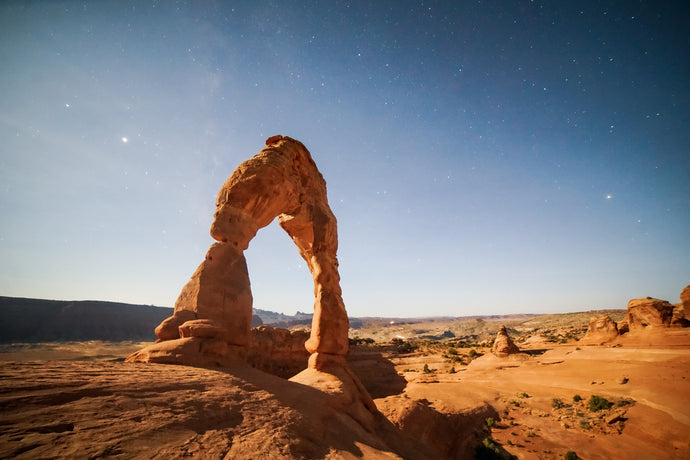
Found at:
<point>212,316</point>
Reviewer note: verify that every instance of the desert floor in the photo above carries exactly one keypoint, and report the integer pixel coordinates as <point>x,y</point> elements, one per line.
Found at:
<point>61,402</point>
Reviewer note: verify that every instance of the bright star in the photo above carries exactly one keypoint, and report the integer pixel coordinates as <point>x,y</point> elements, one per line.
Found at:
<point>124,139</point>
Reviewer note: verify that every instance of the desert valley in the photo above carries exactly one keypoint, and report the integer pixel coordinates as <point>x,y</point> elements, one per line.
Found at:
<point>607,384</point>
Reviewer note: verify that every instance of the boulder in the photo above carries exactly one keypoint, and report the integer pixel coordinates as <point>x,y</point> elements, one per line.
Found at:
<point>503,345</point>
<point>601,329</point>
<point>649,313</point>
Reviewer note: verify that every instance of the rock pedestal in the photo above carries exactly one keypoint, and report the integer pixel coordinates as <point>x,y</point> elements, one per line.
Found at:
<point>503,345</point>
<point>601,329</point>
<point>212,316</point>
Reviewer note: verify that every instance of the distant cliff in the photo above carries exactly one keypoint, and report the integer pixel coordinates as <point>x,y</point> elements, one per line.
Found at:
<point>36,320</point>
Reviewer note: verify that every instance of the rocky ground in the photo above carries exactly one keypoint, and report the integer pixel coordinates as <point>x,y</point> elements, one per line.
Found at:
<point>440,399</point>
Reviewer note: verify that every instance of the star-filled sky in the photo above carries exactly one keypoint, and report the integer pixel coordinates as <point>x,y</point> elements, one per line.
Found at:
<point>482,157</point>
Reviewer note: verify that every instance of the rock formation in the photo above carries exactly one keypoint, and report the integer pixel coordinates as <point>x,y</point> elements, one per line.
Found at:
<point>503,345</point>
<point>213,313</point>
<point>278,351</point>
<point>649,312</point>
<point>601,329</point>
<point>679,311</point>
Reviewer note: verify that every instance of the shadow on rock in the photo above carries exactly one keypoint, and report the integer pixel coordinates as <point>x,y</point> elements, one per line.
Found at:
<point>455,435</point>
<point>377,374</point>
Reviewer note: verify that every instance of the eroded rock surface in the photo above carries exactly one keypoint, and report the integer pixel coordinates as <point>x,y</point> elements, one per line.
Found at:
<point>213,313</point>
<point>649,312</point>
<point>503,345</point>
<point>601,329</point>
<point>679,311</point>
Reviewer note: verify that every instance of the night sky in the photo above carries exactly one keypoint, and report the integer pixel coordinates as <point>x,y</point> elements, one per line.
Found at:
<point>482,157</point>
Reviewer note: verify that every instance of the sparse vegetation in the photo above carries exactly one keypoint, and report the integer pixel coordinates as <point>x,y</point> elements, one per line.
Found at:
<point>402,346</point>
<point>490,422</point>
<point>577,398</point>
<point>523,395</point>
<point>570,455</point>
<point>625,402</point>
<point>473,353</point>
<point>597,403</point>
<point>557,403</point>
<point>488,450</point>
<point>452,370</point>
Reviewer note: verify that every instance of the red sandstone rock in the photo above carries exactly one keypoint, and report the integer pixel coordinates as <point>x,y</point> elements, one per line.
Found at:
<point>280,181</point>
<point>601,329</point>
<point>649,312</point>
<point>679,316</point>
<point>278,351</point>
<point>503,345</point>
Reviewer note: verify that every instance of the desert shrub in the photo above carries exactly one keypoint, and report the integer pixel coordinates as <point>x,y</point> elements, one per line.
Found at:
<point>426,369</point>
<point>577,398</point>
<point>570,455</point>
<point>523,395</point>
<point>584,424</point>
<point>488,450</point>
<point>452,351</point>
<point>625,402</point>
<point>530,433</point>
<point>472,353</point>
<point>452,370</point>
<point>557,403</point>
<point>402,346</point>
<point>515,403</point>
<point>597,403</point>
<point>490,422</point>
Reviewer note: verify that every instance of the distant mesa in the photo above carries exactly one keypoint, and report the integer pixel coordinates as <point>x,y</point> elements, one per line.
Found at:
<point>503,345</point>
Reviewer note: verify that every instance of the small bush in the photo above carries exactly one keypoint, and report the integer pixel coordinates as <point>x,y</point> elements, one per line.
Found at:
<point>557,403</point>
<point>426,369</point>
<point>452,351</point>
<point>473,353</point>
<point>597,403</point>
<point>625,402</point>
<point>490,422</point>
<point>577,398</point>
<point>570,455</point>
<point>452,370</point>
<point>523,395</point>
<point>488,450</point>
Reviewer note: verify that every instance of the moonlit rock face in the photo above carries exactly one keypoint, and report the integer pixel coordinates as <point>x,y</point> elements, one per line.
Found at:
<point>213,312</point>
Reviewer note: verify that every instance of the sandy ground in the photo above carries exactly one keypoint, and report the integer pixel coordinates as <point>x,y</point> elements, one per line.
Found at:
<point>101,408</point>
<point>647,379</point>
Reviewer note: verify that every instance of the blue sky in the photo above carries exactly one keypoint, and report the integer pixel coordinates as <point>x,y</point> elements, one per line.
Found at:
<point>481,157</point>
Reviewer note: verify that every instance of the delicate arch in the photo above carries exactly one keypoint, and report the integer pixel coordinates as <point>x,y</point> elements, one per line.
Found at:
<point>215,306</point>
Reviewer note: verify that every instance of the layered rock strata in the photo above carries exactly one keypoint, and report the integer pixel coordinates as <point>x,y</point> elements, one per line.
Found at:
<point>503,345</point>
